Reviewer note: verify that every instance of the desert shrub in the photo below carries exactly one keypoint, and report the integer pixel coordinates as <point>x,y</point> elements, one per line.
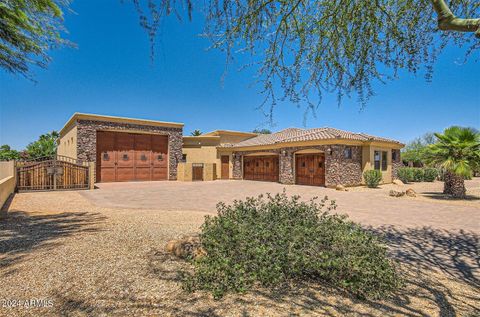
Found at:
<point>372,178</point>
<point>430,174</point>
<point>418,174</point>
<point>274,240</point>
<point>405,174</point>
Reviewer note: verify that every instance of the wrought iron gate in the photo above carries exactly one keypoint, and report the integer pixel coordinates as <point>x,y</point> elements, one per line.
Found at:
<point>59,173</point>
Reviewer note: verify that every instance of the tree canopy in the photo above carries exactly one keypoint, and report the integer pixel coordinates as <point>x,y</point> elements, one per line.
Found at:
<point>414,150</point>
<point>28,30</point>
<point>45,146</point>
<point>8,154</point>
<point>196,133</point>
<point>301,49</point>
<point>304,48</point>
<point>262,131</point>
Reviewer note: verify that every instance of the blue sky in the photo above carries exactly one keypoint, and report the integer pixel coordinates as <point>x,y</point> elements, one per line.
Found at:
<point>111,73</point>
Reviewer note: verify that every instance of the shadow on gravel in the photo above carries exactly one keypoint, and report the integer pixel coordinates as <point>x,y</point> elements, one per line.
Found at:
<point>441,196</point>
<point>455,253</point>
<point>21,232</point>
<point>420,250</point>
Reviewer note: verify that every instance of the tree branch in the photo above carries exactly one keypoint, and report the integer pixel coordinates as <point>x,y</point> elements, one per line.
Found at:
<point>447,21</point>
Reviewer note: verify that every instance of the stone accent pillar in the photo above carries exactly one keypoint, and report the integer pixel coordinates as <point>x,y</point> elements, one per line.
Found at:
<point>237,166</point>
<point>286,167</point>
<point>396,164</point>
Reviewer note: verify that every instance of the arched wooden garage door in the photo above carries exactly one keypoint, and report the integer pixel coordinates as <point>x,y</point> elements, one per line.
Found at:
<point>261,168</point>
<point>310,169</point>
<point>123,157</point>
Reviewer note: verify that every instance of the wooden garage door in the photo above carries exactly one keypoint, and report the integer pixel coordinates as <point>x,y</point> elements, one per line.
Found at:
<point>261,168</point>
<point>123,157</point>
<point>310,169</point>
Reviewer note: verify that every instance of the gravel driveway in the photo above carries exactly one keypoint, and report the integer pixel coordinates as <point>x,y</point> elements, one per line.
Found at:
<point>100,253</point>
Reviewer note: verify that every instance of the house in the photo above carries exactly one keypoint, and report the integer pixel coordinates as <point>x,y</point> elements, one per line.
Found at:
<point>126,149</point>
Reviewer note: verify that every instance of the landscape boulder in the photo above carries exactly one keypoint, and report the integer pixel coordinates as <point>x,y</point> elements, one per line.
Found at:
<point>187,247</point>
<point>398,182</point>
<point>341,188</point>
<point>396,193</point>
<point>411,193</point>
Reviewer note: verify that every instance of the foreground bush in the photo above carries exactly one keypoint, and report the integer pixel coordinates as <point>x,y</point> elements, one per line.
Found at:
<point>430,174</point>
<point>372,178</point>
<point>269,241</point>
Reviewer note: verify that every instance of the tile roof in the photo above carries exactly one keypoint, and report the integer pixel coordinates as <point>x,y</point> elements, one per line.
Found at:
<point>299,135</point>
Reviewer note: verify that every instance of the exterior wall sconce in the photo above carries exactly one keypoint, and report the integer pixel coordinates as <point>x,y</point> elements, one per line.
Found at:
<point>329,151</point>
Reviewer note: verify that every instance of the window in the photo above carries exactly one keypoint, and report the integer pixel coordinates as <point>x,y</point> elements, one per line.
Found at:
<point>376,160</point>
<point>184,157</point>
<point>384,161</point>
<point>347,153</point>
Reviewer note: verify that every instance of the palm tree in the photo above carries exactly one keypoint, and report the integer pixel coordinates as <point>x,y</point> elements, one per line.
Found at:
<point>457,151</point>
<point>196,133</point>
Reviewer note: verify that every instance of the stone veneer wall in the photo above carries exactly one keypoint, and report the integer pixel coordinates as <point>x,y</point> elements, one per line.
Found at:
<point>338,170</point>
<point>396,164</point>
<point>87,140</point>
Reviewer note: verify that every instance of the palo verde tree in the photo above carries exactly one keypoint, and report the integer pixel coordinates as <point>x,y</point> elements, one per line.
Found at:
<point>304,48</point>
<point>28,30</point>
<point>300,48</point>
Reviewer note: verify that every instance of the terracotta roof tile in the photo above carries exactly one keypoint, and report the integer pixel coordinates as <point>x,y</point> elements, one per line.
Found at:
<point>299,135</point>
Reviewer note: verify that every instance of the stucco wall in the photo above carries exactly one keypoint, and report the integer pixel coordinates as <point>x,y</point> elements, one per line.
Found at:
<point>7,180</point>
<point>87,139</point>
<point>67,145</point>
<point>185,172</point>
<point>368,161</point>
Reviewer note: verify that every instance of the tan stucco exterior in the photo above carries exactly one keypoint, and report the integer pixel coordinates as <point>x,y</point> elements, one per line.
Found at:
<point>368,153</point>
<point>184,171</point>
<point>206,148</point>
<point>67,143</point>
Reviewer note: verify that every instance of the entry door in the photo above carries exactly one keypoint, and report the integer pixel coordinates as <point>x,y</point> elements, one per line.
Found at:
<point>225,162</point>
<point>310,169</point>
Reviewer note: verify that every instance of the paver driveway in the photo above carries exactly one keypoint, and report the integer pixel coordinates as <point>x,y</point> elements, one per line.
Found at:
<point>100,253</point>
<point>369,206</point>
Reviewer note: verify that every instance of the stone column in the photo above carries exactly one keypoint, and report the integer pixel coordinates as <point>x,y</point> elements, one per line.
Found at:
<point>286,167</point>
<point>237,166</point>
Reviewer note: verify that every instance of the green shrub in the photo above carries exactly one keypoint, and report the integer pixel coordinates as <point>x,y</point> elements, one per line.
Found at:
<point>430,174</point>
<point>405,174</point>
<point>273,240</point>
<point>372,178</point>
<point>418,174</point>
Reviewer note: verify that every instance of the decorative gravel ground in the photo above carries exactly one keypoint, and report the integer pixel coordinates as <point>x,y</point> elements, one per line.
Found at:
<point>82,256</point>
